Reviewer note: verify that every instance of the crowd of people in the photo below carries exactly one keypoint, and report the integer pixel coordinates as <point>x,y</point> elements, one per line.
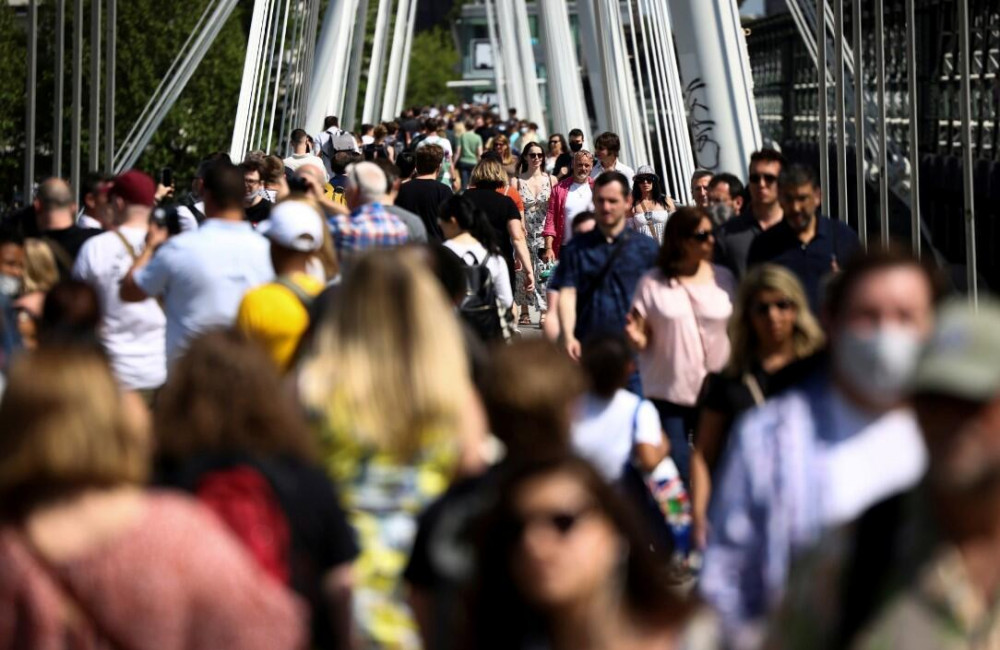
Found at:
<point>305,404</point>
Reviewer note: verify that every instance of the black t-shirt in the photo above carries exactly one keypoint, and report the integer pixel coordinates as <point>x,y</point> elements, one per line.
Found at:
<point>499,210</point>
<point>485,132</point>
<point>731,396</point>
<point>423,197</point>
<point>257,213</point>
<point>66,245</point>
<point>321,537</point>
<point>564,160</point>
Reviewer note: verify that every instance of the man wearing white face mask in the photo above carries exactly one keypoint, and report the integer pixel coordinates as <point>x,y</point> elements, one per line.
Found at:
<point>822,453</point>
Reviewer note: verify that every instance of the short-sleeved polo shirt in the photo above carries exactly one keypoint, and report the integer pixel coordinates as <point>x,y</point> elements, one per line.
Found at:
<point>603,304</point>
<point>202,277</point>
<point>811,262</point>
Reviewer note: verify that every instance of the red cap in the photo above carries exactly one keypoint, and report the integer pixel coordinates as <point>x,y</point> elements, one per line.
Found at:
<point>135,187</point>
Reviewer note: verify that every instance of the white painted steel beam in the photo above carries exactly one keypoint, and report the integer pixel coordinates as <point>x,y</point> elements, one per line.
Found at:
<point>329,76</point>
<point>511,59</point>
<point>404,74</point>
<point>715,70</point>
<point>368,113</point>
<point>395,69</point>
<point>529,75</point>
<point>567,108</point>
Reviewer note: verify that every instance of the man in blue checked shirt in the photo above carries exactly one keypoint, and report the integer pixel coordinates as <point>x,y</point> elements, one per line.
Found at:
<point>369,226</point>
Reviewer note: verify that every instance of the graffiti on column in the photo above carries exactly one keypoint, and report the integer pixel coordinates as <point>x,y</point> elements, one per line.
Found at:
<point>706,147</point>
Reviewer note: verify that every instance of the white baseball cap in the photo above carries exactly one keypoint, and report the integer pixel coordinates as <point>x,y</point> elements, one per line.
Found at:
<point>295,225</point>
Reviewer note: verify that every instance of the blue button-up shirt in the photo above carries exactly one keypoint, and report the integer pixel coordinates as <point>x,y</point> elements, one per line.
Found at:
<point>602,304</point>
<point>812,262</point>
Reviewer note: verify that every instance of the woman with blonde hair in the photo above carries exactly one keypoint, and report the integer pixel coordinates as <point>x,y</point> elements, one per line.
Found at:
<point>40,274</point>
<point>771,327</point>
<point>88,558</point>
<point>388,385</point>
<point>500,145</point>
<point>492,193</point>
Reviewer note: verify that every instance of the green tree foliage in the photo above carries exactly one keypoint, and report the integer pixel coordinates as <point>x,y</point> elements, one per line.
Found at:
<point>434,61</point>
<point>150,34</point>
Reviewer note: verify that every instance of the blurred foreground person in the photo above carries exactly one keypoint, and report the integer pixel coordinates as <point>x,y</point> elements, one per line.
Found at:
<point>820,455</point>
<point>529,392</point>
<point>388,383</point>
<point>276,314</point>
<point>922,569</point>
<point>227,432</point>
<point>87,558</point>
<point>563,565</point>
<point>771,328</point>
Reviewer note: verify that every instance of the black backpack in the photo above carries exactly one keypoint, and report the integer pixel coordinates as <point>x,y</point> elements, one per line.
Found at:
<point>479,307</point>
<point>375,151</point>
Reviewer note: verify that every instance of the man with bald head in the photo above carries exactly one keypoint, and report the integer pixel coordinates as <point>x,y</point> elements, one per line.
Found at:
<point>55,218</point>
<point>369,225</point>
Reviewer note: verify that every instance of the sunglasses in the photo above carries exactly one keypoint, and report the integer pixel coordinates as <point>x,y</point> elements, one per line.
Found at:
<point>769,179</point>
<point>558,520</point>
<point>703,236</point>
<point>536,155</point>
<point>644,179</point>
<point>764,308</point>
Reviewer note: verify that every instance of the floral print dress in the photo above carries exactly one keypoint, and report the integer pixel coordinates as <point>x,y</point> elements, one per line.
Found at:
<point>535,208</point>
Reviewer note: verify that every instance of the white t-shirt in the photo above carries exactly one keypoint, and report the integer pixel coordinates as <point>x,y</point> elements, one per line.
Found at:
<point>87,221</point>
<point>202,276</point>
<point>134,333</point>
<point>445,176</point>
<point>297,160</point>
<point>602,431</point>
<point>619,167</point>
<point>186,218</point>
<point>496,265</point>
<point>579,199</point>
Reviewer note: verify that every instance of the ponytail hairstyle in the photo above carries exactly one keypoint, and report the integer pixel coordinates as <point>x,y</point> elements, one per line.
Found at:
<point>471,220</point>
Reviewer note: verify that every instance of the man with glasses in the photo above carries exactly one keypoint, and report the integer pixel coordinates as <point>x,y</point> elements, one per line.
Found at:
<point>736,235</point>
<point>806,243</point>
<point>255,206</point>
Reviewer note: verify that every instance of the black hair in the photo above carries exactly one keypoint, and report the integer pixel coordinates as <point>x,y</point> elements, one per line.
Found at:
<point>219,157</point>
<point>607,178</point>
<point>299,136</point>
<point>797,176</point>
<point>224,185</point>
<point>607,360</point>
<point>562,141</point>
<point>767,155</point>
<point>331,120</point>
<point>582,218</point>
<point>609,141</point>
<point>522,162</point>
<point>471,219</point>
<point>658,194</point>
<point>9,235</point>
<point>406,163</point>
<point>91,183</point>
<point>71,315</point>
<point>503,618</point>
<point>734,183</point>
<point>575,133</point>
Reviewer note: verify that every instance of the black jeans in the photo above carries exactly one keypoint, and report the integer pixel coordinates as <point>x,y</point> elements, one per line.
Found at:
<point>678,422</point>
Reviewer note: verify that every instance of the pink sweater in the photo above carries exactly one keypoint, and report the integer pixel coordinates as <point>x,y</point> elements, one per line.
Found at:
<point>555,217</point>
<point>177,580</point>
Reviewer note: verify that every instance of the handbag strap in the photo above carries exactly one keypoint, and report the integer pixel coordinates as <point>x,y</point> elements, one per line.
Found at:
<point>131,249</point>
<point>754,387</point>
<point>697,322</point>
<point>76,607</point>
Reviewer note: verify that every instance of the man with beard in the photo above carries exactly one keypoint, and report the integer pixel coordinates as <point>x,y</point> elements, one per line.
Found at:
<point>805,242</point>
